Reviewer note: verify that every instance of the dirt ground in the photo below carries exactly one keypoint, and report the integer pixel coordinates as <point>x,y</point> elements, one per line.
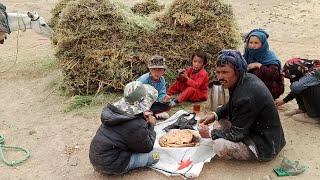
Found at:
<point>32,111</point>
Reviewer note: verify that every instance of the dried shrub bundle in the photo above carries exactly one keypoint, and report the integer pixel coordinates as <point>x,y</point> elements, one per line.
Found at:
<point>147,7</point>
<point>102,44</point>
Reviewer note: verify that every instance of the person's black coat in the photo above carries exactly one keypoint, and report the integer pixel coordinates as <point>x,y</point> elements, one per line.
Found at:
<point>254,118</point>
<point>117,138</point>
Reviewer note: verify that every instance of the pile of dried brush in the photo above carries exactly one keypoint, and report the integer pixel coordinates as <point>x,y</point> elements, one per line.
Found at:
<point>189,25</point>
<point>147,7</point>
<point>102,44</point>
<point>96,41</point>
<point>56,16</point>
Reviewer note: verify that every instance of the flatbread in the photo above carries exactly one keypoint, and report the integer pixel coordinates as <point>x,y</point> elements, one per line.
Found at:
<point>178,138</point>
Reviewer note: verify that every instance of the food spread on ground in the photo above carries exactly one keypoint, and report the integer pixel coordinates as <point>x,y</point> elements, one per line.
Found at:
<point>179,138</point>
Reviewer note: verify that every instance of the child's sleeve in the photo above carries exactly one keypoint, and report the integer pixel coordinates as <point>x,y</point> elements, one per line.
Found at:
<point>162,91</point>
<point>200,81</point>
<point>289,97</point>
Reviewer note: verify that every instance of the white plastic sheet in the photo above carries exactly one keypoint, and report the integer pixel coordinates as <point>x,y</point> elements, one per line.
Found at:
<point>188,161</point>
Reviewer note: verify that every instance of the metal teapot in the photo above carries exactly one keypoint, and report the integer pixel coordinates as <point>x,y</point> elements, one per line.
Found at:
<point>217,96</point>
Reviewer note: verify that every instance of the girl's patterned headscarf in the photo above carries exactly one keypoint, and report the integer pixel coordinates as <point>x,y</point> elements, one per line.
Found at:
<point>296,68</point>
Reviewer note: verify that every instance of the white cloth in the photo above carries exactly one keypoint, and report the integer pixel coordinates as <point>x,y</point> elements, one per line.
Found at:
<point>171,158</point>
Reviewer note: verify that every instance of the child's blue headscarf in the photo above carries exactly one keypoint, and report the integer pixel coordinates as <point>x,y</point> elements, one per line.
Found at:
<point>262,55</point>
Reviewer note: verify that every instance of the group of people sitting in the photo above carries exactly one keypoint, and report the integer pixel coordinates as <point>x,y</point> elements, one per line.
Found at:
<point>190,85</point>
<point>250,126</point>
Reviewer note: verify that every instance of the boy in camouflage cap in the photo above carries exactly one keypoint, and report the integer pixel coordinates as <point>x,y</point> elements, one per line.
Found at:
<point>125,139</point>
<point>157,67</point>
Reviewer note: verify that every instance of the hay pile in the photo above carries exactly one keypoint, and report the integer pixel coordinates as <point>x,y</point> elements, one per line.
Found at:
<point>147,7</point>
<point>102,45</point>
<point>56,16</point>
<point>188,25</point>
<point>95,46</point>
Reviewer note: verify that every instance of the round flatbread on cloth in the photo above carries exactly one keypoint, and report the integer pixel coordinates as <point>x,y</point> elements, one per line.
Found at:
<point>180,138</point>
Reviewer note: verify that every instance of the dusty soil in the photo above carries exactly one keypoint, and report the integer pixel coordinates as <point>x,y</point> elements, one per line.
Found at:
<point>32,111</point>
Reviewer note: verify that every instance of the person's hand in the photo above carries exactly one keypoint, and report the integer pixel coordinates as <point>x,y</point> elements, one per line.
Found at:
<point>148,116</point>
<point>180,71</point>
<point>166,98</point>
<point>207,119</point>
<point>204,131</point>
<point>255,65</point>
<point>181,76</point>
<point>152,120</point>
<point>279,103</point>
<point>184,75</point>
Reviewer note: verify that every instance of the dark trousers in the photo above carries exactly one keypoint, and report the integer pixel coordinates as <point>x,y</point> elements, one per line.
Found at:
<point>300,103</point>
<point>159,107</point>
<point>309,101</point>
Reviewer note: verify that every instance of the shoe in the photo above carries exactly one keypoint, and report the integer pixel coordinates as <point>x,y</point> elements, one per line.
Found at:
<point>163,115</point>
<point>154,158</point>
<point>293,112</point>
<point>303,117</point>
<point>173,102</point>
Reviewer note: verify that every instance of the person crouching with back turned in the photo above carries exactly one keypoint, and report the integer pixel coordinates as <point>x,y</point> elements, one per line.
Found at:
<point>125,139</point>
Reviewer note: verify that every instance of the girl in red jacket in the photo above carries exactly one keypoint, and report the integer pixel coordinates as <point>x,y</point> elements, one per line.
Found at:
<point>192,83</point>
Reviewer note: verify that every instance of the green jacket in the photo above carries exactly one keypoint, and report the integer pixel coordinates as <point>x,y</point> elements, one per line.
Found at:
<point>4,24</point>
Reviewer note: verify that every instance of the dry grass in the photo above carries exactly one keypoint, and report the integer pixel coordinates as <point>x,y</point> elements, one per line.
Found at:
<point>102,44</point>
<point>147,7</point>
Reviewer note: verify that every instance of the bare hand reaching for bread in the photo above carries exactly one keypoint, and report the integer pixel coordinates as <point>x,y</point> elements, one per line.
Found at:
<point>208,119</point>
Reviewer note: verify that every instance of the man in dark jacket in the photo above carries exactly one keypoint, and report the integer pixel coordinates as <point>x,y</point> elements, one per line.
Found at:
<point>255,130</point>
<point>125,139</point>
